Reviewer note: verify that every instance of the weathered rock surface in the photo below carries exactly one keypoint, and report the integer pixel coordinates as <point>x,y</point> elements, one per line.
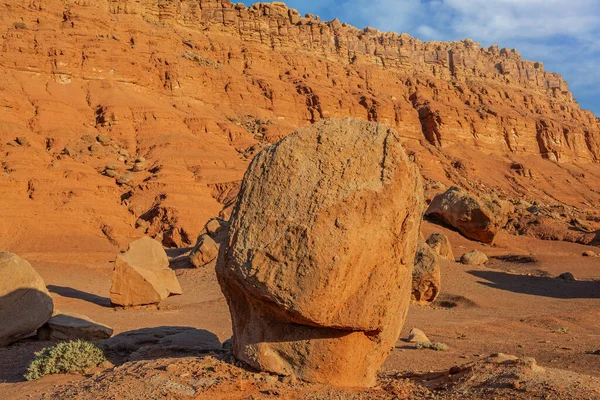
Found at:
<point>142,275</point>
<point>205,251</point>
<point>25,304</point>
<point>162,341</point>
<point>476,218</point>
<point>440,244</point>
<point>474,257</point>
<point>426,277</point>
<point>315,291</point>
<point>70,326</point>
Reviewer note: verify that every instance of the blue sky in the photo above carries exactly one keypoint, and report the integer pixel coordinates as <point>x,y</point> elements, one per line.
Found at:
<point>563,34</point>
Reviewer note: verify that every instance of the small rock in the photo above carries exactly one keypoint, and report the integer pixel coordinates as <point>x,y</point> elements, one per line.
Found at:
<point>501,358</point>
<point>417,336</point>
<point>205,251</point>
<point>140,160</point>
<point>125,179</point>
<point>111,173</point>
<point>22,141</point>
<point>113,166</point>
<point>103,139</point>
<point>474,258</point>
<point>124,152</point>
<point>139,166</point>
<point>589,253</point>
<point>213,227</point>
<point>70,326</point>
<point>567,276</point>
<point>441,245</point>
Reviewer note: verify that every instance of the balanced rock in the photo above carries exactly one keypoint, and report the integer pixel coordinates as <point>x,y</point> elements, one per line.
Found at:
<point>314,291</point>
<point>70,326</point>
<point>440,244</point>
<point>426,276</point>
<point>205,251</point>
<point>142,275</point>
<point>25,304</point>
<point>476,218</point>
<point>474,258</point>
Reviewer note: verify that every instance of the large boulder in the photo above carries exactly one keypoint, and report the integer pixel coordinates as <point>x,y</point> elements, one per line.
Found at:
<point>142,275</point>
<point>440,244</point>
<point>318,264</point>
<point>477,218</point>
<point>71,326</point>
<point>426,278</point>
<point>25,304</point>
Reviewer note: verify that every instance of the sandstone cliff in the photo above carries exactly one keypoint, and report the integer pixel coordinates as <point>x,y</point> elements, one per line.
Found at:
<point>177,96</point>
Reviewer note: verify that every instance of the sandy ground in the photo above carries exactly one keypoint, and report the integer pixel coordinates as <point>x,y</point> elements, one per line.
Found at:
<point>508,307</point>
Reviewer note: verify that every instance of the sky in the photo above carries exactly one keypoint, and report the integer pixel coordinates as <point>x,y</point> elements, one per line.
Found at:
<point>563,34</point>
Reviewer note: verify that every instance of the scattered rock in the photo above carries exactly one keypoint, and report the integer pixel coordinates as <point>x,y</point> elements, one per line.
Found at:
<point>474,258</point>
<point>313,290</point>
<point>441,246</point>
<point>567,276</point>
<point>589,253</point>
<point>476,218</point>
<point>139,167</point>
<point>70,326</point>
<point>426,276</point>
<point>416,335</point>
<point>111,173</point>
<point>125,179</point>
<point>22,141</point>
<point>142,275</point>
<point>103,139</point>
<point>25,304</point>
<point>112,167</point>
<point>205,251</point>
<point>213,227</point>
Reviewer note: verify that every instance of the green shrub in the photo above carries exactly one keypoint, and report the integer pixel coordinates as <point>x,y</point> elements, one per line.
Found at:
<point>432,346</point>
<point>67,357</point>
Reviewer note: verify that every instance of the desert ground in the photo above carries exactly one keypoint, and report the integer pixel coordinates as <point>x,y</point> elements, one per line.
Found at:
<point>507,307</point>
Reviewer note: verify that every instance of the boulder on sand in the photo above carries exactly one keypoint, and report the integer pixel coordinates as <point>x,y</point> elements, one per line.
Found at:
<point>440,244</point>
<point>70,326</point>
<point>25,304</point>
<point>314,291</point>
<point>476,218</point>
<point>474,257</point>
<point>205,251</point>
<point>142,275</point>
<point>426,276</point>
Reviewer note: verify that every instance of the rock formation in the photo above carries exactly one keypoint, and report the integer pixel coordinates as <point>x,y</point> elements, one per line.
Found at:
<point>142,275</point>
<point>317,269</point>
<point>25,304</point>
<point>178,96</point>
<point>476,218</point>
<point>440,244</point>
<point>70,326</point>
<point>426,278</point>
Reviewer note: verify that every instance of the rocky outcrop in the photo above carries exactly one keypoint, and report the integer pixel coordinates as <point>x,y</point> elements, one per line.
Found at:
<point>315,291</point>
<point>440,244</point>
<point>476,218</point>
<point>25,304</point>
<point>70,326</point>
<point>142,275</point>
<point>426,278</point>
<point>163,94</point>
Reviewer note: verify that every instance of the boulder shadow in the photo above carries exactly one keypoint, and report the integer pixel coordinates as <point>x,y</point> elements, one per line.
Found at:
<point>79,294</point>
<point>539,285</point>
<point>161,342</point>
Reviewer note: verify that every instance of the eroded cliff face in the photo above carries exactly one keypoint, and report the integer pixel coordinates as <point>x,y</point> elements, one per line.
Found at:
<point>177,96</point>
